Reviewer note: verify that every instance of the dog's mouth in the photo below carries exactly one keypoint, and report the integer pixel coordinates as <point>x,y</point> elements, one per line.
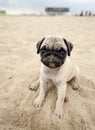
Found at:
<point>52,65</point>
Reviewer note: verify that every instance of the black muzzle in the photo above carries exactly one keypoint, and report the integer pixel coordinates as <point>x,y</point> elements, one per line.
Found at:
<point>52,58</point>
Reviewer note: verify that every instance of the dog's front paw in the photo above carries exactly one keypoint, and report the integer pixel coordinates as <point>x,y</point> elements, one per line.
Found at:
<point>58,113</point>
<point>37,102</point>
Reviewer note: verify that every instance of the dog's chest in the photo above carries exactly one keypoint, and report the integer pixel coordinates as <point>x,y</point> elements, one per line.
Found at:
<point>52,74</point>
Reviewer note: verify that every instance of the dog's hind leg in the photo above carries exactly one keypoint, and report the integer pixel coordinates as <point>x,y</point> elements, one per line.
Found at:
<point>35,85</point>
<point>74,83</point>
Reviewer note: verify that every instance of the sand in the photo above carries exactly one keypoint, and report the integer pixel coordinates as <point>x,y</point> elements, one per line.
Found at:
<point>20,67</point>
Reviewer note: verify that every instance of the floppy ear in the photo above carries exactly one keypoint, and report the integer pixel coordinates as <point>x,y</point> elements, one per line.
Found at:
<point>69,46</point>
<point>39,45</point>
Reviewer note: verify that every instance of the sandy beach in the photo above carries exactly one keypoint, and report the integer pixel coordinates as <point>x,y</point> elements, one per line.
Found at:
<point>20,67</point>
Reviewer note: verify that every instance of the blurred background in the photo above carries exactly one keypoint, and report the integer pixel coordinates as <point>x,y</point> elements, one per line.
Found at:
<point>47,7</point>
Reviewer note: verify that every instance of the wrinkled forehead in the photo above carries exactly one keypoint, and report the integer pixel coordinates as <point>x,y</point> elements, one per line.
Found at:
<point>54,43</point>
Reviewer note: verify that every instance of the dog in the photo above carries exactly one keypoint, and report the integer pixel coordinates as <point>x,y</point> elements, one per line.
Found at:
<point>57,67</point>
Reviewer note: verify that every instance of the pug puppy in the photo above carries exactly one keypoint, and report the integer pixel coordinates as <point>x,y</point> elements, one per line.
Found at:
<point>56,67</point>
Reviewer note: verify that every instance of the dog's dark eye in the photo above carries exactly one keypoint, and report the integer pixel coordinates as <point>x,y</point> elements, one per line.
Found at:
<point>62,51</point>
<point>43,50</point>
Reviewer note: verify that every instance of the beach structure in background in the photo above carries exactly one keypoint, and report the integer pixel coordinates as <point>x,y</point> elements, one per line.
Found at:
<point>56,10</point>
<point>2,12</point>
<point>86,13</point>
